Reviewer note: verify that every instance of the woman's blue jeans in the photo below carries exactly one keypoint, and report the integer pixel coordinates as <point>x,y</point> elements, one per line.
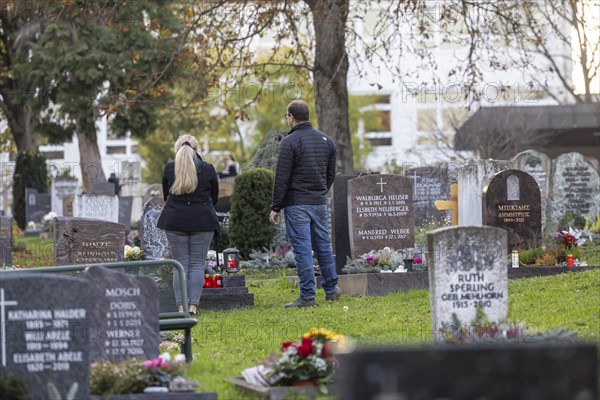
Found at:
<point>308,231</point>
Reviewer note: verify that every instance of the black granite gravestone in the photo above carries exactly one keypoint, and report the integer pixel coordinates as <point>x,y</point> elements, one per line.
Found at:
<point>507,371</point>
<point>125,206</point>
<point>341,233</point>
<point>5,241</point>
<point>124,319</point>
<point>87,241</point>
<point>36,205</point>
<point>511,200</point>
<point>429,184</point>
<point>44,333</point>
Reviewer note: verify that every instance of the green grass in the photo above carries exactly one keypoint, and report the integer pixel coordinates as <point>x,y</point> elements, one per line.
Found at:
<point>230,341</point>
<point>33,251</point>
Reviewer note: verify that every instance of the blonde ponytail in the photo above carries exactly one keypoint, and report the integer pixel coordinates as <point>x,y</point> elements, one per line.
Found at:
<point>186,178</point>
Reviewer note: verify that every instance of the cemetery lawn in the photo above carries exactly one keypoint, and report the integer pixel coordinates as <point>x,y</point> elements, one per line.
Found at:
<point>33,251</point>
<point>229,341</point>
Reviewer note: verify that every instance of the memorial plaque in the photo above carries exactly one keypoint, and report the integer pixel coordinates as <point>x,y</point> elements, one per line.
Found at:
<point>467,271</point>
<point>5,241</point>
<point>124,319</point>
<point>125,206</point>
<point>472,177</point>
<point>380,213</point>
<point>538,165</point>
<point>59,191</point>
<point>105,208</point>
<point>44,334</point>
<point>429,184</point>
<point>87,241</point>
<point>512,201</point>
<point>575,188</point>
<point>154,240</point>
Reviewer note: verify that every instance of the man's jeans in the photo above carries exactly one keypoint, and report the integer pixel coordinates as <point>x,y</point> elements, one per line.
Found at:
<point>307,229</point>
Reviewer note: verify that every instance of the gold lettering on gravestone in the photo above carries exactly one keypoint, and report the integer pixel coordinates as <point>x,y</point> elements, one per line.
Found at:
<point>514,212</point>
<point>89,255</point>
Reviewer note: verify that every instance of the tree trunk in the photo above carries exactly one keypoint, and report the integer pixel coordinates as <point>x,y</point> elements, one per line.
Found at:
<point>89,159</point>
<point>331,74</point>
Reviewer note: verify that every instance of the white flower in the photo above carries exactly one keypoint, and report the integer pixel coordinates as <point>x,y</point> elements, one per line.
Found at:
<point>180,358</point>
<point>166,357</point>
<point>345,308</point>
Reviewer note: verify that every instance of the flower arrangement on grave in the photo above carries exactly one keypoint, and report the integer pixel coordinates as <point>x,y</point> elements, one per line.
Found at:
<point>310,359</point>
<point>133,253</point>
<point>481,330</point>
<point>211,264</point>
<point>133,376</point>
<point>384,260</point>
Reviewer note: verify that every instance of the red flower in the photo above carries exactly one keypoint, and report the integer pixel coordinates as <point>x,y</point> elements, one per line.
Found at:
<point>285,345</point>
<point>326,351</point>
<point>305,349</point>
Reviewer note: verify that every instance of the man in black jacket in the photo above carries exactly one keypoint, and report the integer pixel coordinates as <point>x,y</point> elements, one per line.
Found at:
<point>305,172</point>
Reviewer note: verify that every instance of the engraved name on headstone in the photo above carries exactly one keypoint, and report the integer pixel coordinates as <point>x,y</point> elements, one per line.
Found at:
<point>429,184</point>
<point>512,201</point>
<point>44,333</point>
<point>87,241</point>
<point>467,271</point>
<point>124,318</point>
<point>380,213</point>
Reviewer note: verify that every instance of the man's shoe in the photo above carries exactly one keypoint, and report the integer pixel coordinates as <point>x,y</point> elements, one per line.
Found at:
<point>300,302</point>
<point>333,296</point>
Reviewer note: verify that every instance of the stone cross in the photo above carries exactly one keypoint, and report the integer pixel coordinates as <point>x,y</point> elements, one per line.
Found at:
<point>3,304</point>
<point>381,183</point>
<point>451,204</point>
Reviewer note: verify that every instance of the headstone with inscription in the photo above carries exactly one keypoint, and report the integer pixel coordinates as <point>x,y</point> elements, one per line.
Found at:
<point>223,209</point>
<point>36,205</point>
<point>467,271</point>
<point>124,319</point>
<point>473,175</point>
<point>59,191</point>
<point>5,241</point>
<point>125,206</point>
<point>87,241</point>
<point>380,213</point>
<point>105,208</point>
<point>429,184</point>
<point>340,234</point>
<point>538,165</point>
<point>44,333</point>
<point>154,240</point>
<point>512,201</point>
<point>575,188</point>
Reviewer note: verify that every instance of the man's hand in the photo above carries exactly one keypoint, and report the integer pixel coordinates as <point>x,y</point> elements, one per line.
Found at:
<point>275,218</point>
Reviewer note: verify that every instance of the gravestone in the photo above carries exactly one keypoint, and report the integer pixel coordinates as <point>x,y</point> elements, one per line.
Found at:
<point>36,205</point>
<point>125,206</point>
<point>472,176</point>
<point>44,334</point>
<point>153,239</point>
<point>68,205</point>
<point>512,201</point>
<point>575,188</point>
<point>380,213</point>
<point>87,241</point>
<point>223,208</point>
<point>154,190</point>
<point>538,165</point>
<point>429,184</point>
<point>105,208</point>
<point>340,234</point>
<point>102,189</point>
<point>5,241</point>
<point>467,271</point>
<point>124,318</point>
<point>59,191</point>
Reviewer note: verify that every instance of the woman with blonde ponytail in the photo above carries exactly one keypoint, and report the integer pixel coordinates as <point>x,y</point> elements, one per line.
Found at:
<point>191,189</point>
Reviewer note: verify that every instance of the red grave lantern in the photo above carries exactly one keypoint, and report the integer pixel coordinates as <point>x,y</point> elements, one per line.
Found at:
<point>231,259</point>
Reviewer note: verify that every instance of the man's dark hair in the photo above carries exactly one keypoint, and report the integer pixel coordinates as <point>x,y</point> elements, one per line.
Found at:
<point>299,110</point>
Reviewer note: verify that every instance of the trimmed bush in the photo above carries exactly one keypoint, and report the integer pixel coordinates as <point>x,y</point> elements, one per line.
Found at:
<point>30,172</point>
<point>249,226</point>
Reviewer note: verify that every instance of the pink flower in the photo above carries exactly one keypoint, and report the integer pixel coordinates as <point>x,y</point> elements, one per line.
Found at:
<point>417,260</point>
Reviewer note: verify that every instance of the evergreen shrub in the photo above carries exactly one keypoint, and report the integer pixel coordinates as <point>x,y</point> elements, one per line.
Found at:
<point>249,226</point>
<point>30,172</point>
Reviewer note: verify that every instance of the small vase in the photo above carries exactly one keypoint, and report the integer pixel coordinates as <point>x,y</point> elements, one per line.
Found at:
<point>303,382</point>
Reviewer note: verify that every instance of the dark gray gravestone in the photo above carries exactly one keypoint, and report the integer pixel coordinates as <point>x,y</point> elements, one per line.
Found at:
<point>87,241</point>
<point>44,329</point>
<point>154,240</point>
<point>502,371</point>
<point>341,232</point>
<point>223,208</point>
<point>575,188</point>
<point>6,241</point>
<point>512,201</point>
<point>380,213</point>
<point>125,205</point>
<point>36,205</point>
<point>103,189</point>
<point>467,271</point>
<point>124,319</point>
<point>429,184</point>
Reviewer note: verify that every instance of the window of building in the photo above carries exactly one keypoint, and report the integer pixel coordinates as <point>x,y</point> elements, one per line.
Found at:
<point>427,120</point>
<point>116,150</point>
<point>453,118</point>
<point>54,155</point>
